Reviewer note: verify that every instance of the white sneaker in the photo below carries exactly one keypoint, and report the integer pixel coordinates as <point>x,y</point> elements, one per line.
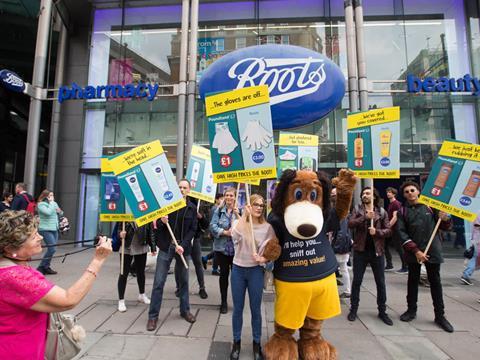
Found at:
<point>144,299</point>
<point>121,306</point>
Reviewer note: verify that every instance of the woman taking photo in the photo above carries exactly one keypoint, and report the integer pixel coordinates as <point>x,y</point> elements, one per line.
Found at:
<point>138,241</point>
<point>48,212</point>
<point>247,272</point>
<point>220,227</point>
<point>26,297</point>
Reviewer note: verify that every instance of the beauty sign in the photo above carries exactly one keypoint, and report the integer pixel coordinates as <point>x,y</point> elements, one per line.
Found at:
<point>147,181</point>
<point>374,143</point>
<point>297,152</point>
<point>454,181</point>
<point>241,135</point>
<point>199,173</point>
<point>113,206</point>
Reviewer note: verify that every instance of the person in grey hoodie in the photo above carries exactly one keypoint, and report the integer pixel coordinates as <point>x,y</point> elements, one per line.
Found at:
<point>48,212</point>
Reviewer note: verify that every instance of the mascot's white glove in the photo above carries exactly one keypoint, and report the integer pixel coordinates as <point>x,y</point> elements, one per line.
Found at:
<point>223,140</point>
<point>255,136</point>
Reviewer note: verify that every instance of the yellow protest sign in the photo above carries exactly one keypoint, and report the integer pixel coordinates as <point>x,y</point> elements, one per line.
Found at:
<point>373,117</point>
<point>236,99</point>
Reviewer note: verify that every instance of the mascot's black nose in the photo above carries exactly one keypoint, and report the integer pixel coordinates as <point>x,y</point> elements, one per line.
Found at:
<point>307,230</point>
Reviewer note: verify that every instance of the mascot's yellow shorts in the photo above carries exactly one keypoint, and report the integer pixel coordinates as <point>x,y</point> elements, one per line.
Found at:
<point>296,300</point>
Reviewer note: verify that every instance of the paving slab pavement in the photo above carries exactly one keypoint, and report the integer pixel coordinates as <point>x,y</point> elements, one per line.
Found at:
<point>117,336</point>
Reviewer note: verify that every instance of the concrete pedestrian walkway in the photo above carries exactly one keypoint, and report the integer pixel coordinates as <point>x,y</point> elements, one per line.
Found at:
<point>118,336</point>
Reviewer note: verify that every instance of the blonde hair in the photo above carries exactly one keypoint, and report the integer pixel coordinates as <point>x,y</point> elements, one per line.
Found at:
<point>44,194</point>
<point>256,197</point>
<point>15,228</point>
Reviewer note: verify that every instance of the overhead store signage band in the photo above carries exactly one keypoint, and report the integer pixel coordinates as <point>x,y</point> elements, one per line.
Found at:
<point>146,179</point>
<point>454,180</point>
<point>374,143</point>
<point>241,135</point>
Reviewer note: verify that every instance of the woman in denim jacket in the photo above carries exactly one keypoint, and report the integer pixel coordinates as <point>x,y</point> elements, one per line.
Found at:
<point>221,229</point>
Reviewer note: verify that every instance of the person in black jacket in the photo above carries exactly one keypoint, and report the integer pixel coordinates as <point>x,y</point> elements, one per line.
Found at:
<point>202,225</point>
<point>138,240</point>
<point>416,223</point>
<point>183,223</point>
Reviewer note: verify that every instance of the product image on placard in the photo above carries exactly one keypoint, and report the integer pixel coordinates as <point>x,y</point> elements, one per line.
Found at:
<point>256,136</point>
<point>442,178</point>
<point>308,163</point>
<point>195,173</point>
<point>112,189</point>
<point>132,181</point>
<point>385,142</point>
<point>159,173</point>
<point>358,150</point>
<point>223,141</point>
<point>472,185</point>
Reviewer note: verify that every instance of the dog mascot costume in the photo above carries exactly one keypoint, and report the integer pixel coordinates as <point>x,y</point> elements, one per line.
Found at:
<point>305,283</point>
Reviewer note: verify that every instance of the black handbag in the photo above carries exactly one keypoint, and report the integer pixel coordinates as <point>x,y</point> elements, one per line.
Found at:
<point>468,253</point>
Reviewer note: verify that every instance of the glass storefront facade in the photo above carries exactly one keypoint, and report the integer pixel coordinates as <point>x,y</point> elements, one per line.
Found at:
<point>419,37</point>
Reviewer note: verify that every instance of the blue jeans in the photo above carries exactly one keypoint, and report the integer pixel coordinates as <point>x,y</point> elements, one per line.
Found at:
<point>50,238</point>
<point>164,259</point>
<point>471,264</point>
<point>244,278</point>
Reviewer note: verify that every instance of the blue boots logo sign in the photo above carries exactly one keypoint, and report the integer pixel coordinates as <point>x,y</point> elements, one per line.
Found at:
<point>303,85</point>
<point>11,81</point>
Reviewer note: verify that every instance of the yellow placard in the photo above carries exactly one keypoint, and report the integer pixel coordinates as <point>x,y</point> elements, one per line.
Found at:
<point>116,217</point>
<point>460,150</point>
<point>201,196</point>
<point>292,139</point>
<point>105,166</point>
<point>136,156</point>
<point>243,176</point>
<point>201,152</point>
<point>377,174</point>
<point>160,212</point>
<point>236,99</point>
<point>450,209</point>
<point>373,117</point>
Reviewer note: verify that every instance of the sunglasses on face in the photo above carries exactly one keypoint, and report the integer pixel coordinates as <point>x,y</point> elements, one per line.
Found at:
<point>409,191</point>
<point>260,206</point>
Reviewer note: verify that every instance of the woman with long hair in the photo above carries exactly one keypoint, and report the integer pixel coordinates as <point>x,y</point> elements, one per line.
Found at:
<point>247,271</point>
<point>221,229</point>
<point>48,212</point>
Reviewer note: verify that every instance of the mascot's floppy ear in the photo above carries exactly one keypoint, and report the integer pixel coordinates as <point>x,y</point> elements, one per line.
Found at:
<point>278,201</point>
<point>326,190</point>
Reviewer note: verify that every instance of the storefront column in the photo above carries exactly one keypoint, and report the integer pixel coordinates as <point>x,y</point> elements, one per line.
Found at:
<point>55,124</point>
<point>192,75</point>
<point>182,90</point>
<point>38,78</point>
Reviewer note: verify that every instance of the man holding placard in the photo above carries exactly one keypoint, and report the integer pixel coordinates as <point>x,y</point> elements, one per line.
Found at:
<point>415,225</point>
<point>183,224</point>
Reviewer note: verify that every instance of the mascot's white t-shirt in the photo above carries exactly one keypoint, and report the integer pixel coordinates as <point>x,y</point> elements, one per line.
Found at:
<point>304,260</point>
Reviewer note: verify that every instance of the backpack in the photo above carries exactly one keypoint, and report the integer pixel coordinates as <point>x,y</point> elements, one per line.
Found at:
<point>342,239</point>
<point>31,205</point>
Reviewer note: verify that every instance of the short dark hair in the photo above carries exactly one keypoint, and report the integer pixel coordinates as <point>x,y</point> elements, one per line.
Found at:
<point>410,183</point>
<point>218,196</point>
<point>186,180</point>
<point>392,190</point>
<point>6,194</point>
<point>376,195</point>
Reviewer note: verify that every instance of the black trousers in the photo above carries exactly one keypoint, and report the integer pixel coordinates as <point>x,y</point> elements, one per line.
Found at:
<point>395,241</point>
<point>377,263</point>
<point>196,256</point>
<point>225,263</point>
<point>433,273</point>
<point>140,262</point>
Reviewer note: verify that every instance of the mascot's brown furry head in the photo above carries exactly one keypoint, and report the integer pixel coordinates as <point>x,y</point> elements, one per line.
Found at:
<point>303,199</point>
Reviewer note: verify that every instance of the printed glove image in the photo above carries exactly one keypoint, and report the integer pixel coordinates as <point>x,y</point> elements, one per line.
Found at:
<point>223,141</point>
<point>255,136</point>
